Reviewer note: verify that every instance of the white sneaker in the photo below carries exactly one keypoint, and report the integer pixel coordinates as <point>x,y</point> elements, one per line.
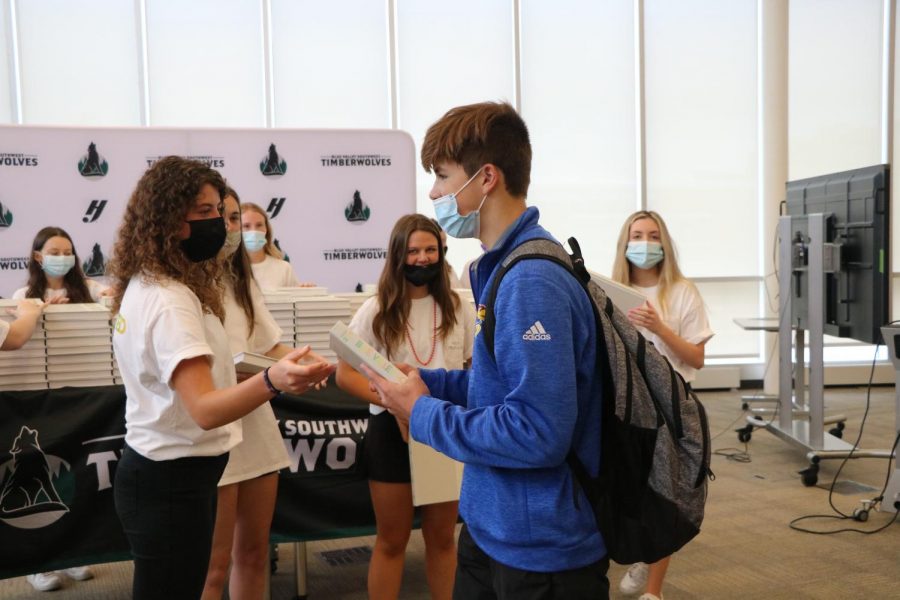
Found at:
<point>649,596</point>
<point>44,582</point>
<point>635,580</point>
<point>79,573</point>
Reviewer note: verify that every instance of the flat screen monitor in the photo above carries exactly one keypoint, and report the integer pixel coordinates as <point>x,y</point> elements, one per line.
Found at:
<point>856,205</point>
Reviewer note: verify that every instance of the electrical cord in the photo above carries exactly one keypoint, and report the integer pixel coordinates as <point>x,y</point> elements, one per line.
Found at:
<point>793,524</point>
<point>841,515</point>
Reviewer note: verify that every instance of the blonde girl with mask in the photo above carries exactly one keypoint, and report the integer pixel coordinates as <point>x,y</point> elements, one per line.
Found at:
<point>269,267</point>
<point>415,318</point>
<point>673,318</point>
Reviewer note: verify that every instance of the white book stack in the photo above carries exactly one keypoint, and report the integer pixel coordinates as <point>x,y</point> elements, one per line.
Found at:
<point>314,316</point>
<point>78,340</point>
<point>25,368</point>
<point>356,299</point>
<point>282,308</point>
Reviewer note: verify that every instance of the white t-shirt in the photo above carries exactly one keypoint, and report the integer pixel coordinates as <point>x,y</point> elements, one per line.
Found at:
<point>686,316</point>
<point>4,331</point>
<point>94,288</point>
<point>266,332</point>
<point>274,273</point>
<point>449,353</point>
<point>262,449</point>
<point>160,325</point>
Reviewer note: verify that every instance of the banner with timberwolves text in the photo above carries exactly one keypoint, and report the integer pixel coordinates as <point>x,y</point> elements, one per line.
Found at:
<point>58,455</point>
<point>332,195</point>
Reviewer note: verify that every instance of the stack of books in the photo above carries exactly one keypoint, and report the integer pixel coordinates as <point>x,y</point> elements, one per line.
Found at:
<point>25,368</point>
<point>356,299</point>
<point>78,340</point>
<point>282,308</point>
<point>280,302</point>
<point>314,316</point>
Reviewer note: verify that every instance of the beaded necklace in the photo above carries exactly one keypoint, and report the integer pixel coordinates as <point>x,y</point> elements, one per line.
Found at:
<point>433,339</point>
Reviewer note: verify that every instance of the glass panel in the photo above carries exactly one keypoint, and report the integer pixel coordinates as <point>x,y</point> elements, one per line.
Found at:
<point>206,63</point>
<point>331,64</point>
<point>701,130</point>
<point>6,115</point>
<point>583,173</point>
<point>448,58</point>
<point>79,62</point>
<point>834,88</point>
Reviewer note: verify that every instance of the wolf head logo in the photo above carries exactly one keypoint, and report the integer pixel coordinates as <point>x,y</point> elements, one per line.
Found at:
<point>28,498</point>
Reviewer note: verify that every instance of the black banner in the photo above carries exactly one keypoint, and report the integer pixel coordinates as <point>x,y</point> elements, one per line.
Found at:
<point>58,455</point>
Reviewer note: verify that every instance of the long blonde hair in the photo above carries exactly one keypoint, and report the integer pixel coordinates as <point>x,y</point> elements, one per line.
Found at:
<point>669,273</point>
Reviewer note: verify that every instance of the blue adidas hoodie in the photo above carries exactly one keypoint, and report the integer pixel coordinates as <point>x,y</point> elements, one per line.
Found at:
<point>513,421</point>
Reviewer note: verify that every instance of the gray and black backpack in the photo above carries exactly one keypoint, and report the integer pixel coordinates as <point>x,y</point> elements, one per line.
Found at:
<point>650,494</point>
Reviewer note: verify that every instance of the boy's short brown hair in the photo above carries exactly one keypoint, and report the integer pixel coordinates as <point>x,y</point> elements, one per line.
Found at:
<point>477,134</point>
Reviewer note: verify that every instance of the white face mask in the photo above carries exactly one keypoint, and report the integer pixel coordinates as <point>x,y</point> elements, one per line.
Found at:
<point>446,210</point>
<point>57,266</point>
<point>254,240</point>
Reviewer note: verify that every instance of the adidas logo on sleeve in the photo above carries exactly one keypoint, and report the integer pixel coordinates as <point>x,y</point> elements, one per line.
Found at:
<point>536,333</point>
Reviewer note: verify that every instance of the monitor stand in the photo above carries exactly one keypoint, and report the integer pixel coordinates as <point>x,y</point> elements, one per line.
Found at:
<point>801,420</point>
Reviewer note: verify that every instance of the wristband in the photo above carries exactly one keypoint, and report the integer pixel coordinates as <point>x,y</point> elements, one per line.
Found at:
<point>268,382</point>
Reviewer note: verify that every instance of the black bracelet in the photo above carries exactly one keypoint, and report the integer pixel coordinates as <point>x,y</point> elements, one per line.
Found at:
<point>268,382</point>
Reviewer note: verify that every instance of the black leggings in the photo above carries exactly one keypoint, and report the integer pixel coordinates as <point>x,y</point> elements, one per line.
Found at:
<point>168,510</point>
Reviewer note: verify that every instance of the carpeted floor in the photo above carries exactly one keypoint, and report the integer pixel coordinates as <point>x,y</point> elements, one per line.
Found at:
<point>746,549</point>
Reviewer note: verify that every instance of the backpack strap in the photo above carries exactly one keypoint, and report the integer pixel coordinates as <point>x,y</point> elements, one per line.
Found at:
<point>550,250</point>
<point>538,248</point>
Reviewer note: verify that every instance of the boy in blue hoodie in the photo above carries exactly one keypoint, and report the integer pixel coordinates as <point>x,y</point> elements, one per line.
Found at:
<point>529,531</point>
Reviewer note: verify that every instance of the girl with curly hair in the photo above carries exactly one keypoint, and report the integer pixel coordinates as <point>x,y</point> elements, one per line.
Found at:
<point>183,407</point>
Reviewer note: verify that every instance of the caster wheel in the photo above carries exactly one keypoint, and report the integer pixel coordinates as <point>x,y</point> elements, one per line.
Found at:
<point>810,476</point>
<point>861,515</point>
<point>745,433</point>
<point>837,432</point>
<point>745,406</point>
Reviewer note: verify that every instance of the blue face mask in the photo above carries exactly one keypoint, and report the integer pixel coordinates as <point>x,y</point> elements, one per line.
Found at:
<point>254,240</point>
<point>644,255</point>
<point>447,212</point>
<point>57,266</point>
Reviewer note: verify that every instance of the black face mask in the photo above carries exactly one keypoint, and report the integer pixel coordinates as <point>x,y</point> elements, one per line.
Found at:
<point>424,275</point>
<point>206,239</point>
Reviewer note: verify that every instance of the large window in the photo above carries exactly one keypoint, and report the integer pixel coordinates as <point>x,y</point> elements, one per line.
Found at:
<point>79,62</point>
<point>6,89</point>
<point>447,58</point>
<point>331,64</point>
<point>834,87</point>
<point>206,65</point>
<point>701,150</point>
<point>581,119</point>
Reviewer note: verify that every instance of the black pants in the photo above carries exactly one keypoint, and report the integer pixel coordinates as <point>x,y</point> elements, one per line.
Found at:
<point>479,577</point>
<point>168,510</point>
